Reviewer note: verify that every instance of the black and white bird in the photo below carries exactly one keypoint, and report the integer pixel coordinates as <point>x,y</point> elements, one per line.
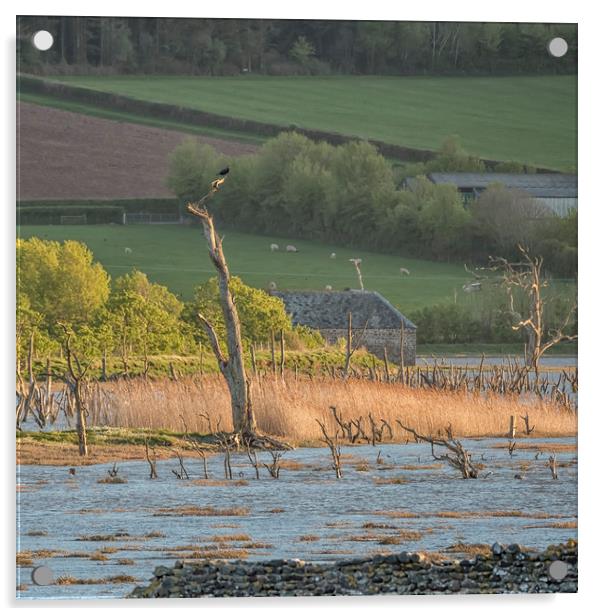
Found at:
<point>224,171</point>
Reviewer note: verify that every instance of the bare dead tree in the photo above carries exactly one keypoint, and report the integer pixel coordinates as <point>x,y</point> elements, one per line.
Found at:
<point>152,462</point>
<point>282,356</point>
<point>231,366</point>
<point>528,427</point>
<point>356,264</point>
<point>401,372</point>
<point>526,277</point>
<point>78,383</point>
<point>274,467</point>
<point>252,455</point>
<point>459,458</point>
<point>352,345</point>
<point>553,466</point>
<point>335,449</point>
<point>195,445</point>
<point>181,473</point>
<point>511,448</point>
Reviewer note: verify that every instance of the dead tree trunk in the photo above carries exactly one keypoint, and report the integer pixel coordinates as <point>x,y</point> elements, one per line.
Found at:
<point>232,367</point>
<point>79,387</point>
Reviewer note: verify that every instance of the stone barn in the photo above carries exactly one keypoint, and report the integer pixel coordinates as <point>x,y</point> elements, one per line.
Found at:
<point>376,323</point>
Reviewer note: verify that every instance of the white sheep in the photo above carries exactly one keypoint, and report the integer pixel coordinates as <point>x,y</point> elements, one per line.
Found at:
<point>328,287</point>
<point>333,255</point>
<point>272,286</point>
<point>471,287</point>
<point>405,271</point>
<point>274,247</point>
<point>128,251</point>
<point>291,248</point>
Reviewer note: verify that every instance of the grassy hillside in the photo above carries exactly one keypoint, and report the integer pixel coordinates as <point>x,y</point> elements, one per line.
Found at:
<point>529,119</point>
<point>176,256</point>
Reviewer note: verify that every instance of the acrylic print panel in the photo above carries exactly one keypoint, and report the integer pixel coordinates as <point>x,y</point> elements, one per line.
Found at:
<point>296,307</point>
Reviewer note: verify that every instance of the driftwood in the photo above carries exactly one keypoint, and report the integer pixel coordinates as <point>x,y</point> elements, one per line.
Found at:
<point>459,457</point>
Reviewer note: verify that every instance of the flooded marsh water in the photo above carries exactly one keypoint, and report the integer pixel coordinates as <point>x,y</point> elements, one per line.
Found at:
<point>91,531</point>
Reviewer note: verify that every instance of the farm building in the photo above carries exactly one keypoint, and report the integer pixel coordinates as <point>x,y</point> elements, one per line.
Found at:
<point>558,191</point>
<point>376,324</point>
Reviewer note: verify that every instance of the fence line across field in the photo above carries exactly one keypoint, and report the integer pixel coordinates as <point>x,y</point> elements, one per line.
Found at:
<point>137,219</point>
<point>73,219</point>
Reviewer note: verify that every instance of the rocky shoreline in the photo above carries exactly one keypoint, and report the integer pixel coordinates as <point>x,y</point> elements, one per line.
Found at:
<point>508,569</point>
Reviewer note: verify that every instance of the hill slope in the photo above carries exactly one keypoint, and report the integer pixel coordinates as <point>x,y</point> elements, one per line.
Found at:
<point>66,155</point>
<point>529,119</point>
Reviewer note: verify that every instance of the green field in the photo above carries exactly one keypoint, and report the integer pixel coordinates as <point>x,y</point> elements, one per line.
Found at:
<point>176,256</point>
<point>527,119</point>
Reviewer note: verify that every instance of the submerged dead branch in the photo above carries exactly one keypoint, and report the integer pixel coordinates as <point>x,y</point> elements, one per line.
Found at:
<point>459,458</point>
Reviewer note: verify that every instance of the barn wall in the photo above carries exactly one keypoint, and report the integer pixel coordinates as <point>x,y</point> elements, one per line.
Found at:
<point>375,340</point>
<point>560,205</point>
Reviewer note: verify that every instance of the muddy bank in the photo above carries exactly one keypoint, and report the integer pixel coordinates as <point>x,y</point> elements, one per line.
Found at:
<point>508,569</point>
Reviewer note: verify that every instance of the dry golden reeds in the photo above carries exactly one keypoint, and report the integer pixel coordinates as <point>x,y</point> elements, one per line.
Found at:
<point>289,407</point>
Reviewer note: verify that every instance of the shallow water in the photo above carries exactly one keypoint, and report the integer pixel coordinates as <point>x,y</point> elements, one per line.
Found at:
<point>313,502</point>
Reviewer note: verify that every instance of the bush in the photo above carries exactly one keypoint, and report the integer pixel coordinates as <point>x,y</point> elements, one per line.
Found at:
<point>446,324</point>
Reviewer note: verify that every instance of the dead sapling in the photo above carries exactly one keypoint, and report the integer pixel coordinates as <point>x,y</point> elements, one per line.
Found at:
<point>195,445</point>
<point>226,444</point>
<point>335,449</point>
<point>352,429</point>
<point>553,466</point>
<point>459,458</point>
<point>152,462</point>
<point>511,448</point>
<point>528,427</point>
<point>274,467</point>
<point>181,473</point>
<point>252,455</point>
<point>377,431</point>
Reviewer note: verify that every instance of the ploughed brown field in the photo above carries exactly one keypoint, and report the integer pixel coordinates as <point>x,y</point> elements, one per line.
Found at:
<point>66,155</point>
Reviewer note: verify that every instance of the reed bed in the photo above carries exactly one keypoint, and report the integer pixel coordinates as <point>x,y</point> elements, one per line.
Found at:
<point>289,408</point>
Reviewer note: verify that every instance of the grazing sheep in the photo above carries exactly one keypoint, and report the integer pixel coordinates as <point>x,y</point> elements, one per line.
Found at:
<point>471,287</point>
<point>403,271</point>
<point>328,287</point>
<point>333,255</point>
<point>274,247</point>
<point>128,251</point>
<point>272,286</point>
<point>291,248</point>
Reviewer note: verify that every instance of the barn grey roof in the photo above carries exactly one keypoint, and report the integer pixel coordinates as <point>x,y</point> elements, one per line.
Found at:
<point>536,184</point>
<point>329,309</point>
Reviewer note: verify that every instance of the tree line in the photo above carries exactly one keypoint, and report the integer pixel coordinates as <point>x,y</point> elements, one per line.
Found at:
<point>291,47</point>
<point>350,195</point>
<point>62,291</point>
